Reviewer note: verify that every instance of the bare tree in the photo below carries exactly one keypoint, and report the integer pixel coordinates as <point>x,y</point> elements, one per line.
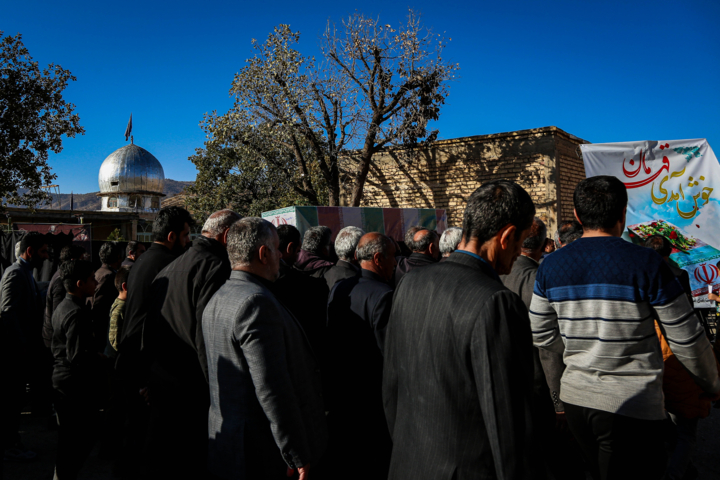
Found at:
<point>399,78</point>
<point>375,86</point>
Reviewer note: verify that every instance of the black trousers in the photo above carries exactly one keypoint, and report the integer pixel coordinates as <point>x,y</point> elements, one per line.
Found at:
<point>77,425</point>
<point>13,382</point>
<point>617,447</point>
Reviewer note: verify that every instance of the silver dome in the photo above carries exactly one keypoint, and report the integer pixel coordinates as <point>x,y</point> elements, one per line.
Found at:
<point>131,169</point>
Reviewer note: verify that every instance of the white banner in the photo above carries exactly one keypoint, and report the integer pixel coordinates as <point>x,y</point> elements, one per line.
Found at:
<point>673,189</point>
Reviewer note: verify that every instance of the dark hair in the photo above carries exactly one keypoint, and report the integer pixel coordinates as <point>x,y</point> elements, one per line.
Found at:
<point>537,237</point>
<point>73,271</point>
<point>288,234</point>
<point>121,277</point>
<point>600,202</point>
<point>34,240</point>
<point>317,238</point>
<point>110,252</point>
<point>132,247</point>
<point>71,252</point>
<point>428,237</point>
<point>170,219</point>
<point>660,244</point>
<point>495,205</point>
<point>569,232</point>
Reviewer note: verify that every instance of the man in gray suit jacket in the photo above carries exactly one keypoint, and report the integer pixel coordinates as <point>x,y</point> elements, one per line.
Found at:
<point>20,338</point>
<point>265,392</point>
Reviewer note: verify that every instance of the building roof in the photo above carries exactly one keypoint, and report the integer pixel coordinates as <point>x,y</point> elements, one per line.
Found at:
<point>131,169</point>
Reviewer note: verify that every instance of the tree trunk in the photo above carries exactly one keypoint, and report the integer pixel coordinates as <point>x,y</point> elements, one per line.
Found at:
<point>365,158</point>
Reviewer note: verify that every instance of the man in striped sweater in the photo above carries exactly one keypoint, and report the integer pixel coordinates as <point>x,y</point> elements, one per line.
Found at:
<point>595,301</point>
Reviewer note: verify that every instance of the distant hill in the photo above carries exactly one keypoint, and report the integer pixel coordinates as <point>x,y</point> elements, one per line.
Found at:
<point>90,201</point>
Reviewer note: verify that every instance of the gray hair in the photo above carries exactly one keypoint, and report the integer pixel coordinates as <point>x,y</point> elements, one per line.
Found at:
<point>316,238</point>
<point>538,234</point>
<point>346,242</point>
<point>17,249</point>
<point>410,234</point>
<point>380,244</point>
<point>450,240</point>
<point>245,238</point>
<point>218,222</point>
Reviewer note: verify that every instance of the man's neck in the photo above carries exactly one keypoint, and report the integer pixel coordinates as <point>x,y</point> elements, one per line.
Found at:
<point>599,233</point>
<point>260,272</point>
<point>167,245</point>
<point>371,267</point>
<point>484,251</point>
<point>533,255</point>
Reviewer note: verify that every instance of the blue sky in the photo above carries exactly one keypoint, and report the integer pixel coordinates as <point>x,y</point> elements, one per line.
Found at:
<point>605,71</point>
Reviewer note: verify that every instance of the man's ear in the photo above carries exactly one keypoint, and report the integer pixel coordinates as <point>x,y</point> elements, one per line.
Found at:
<point>79,284</point>
<point>172,237</point>
<point>290,249</point>
<point>124,286</point>
<point>378,258</point>
<point>224,236</point>
<point>506,234</point>
<point>578,218</point>
<point>263,254</point>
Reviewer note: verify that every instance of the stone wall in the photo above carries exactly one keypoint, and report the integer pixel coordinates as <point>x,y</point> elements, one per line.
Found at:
<point>445,175</point>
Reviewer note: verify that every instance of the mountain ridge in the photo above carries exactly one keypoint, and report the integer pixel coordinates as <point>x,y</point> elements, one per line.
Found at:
<point>90,201</point>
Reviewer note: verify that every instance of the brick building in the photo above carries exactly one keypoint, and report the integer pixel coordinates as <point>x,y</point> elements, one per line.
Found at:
<point>545,161</point>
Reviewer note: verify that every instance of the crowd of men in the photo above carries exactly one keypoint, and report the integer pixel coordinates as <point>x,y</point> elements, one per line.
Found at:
<point>490,351</point>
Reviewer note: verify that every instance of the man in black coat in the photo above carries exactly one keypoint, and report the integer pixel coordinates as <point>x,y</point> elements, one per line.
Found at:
<point>347,266</point>
<point>175,349</point>
<point>111,256</point>
<point>458,369</point>
<point>305,296</point>
<point>559,450</point>
<point>78,370</point>
<point>426,251</point>
<point>358,312</point>
<point>56,290</point>
<point>171,232</point>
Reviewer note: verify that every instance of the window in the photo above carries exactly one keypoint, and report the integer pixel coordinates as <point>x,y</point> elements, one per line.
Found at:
<point>136,202</point>
<point>155,203</point>
<point>112,202</point>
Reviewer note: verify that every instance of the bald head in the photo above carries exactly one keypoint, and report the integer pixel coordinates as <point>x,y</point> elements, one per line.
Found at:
<point>217,224</point>
<point>376,253</point>
<point>427,242</point>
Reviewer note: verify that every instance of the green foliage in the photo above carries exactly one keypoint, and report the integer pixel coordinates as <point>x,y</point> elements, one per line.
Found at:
<point>250,178</point>
<point>116,236</point>
<point>33,119</point>
<point>295,118</point>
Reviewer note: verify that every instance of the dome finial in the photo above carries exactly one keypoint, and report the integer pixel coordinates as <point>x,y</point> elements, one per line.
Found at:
<point>128,129</point>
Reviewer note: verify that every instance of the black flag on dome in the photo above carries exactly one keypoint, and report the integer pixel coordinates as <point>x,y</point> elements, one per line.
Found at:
<point>128,130</point>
